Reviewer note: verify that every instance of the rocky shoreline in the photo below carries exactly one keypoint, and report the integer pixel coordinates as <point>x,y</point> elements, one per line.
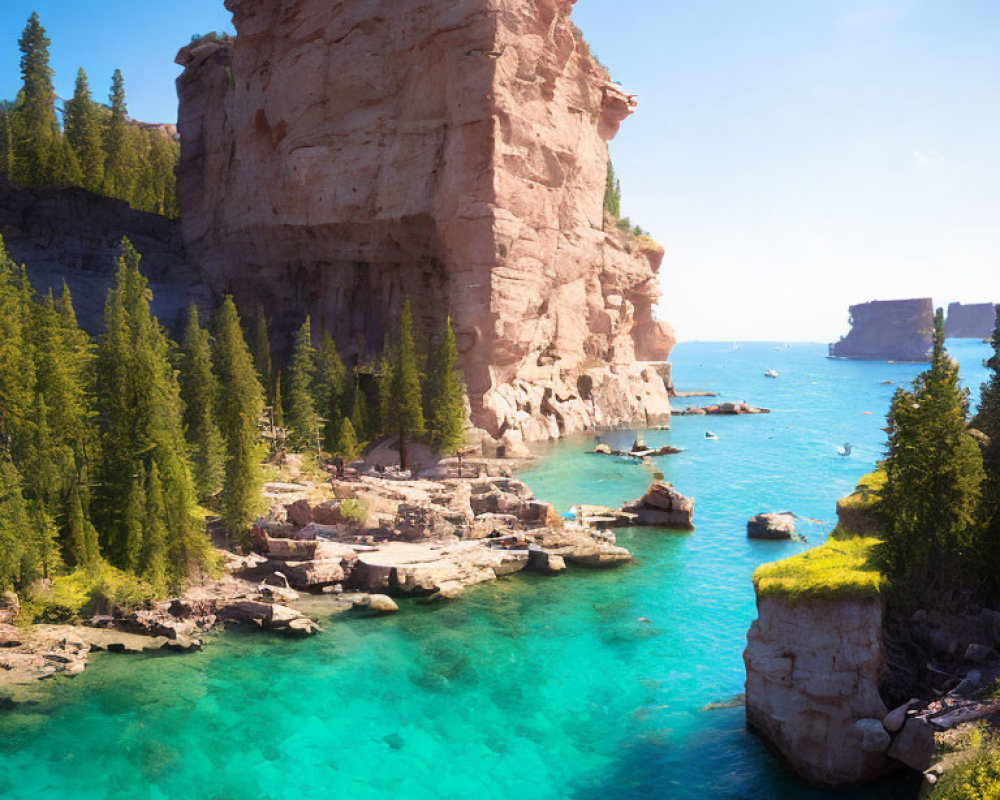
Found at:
<point>337,545</point>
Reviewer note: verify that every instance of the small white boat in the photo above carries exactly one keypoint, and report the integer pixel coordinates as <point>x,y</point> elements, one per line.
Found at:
<point>711,435</point>
<point>846,450</point>
<point>771,373</point>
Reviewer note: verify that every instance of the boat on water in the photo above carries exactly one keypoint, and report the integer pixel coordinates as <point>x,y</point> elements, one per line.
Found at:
<point>711,435</point>
<point>771,373</point>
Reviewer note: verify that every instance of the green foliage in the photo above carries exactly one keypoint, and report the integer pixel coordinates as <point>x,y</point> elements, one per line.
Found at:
<point>300,413</point>
<point>82,127</point>
<point>141,424</point>
<point>843,567</point>
<point>988,422</point>
<point>15,542</point>
<point>404,409</point>
<point>328,386</point>
<point>35,131</point>
<point>200,396</point>
<point>930,503</point>
<point>975,778</point>
<point>99,149</point>
<point>260,346</point>
<point>445,393</point>
<point>99,588</point>
<point>354,510</point>
<point>613,193</point>
<point>241,404</point>
<point>346,444</point>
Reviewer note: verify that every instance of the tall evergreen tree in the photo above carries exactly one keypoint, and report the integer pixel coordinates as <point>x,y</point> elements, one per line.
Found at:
<point>141,424</point>
<point>82,127</point>
<point>155,548</point>
<point>241,403</point>
<point>82,540</point>
<point>300,413</point>
<point>200,395</point>
<point>260,346</point>
<point>346,444</point>
<point>934,470</point>
<point>278,413</point>
<point>14,528</point>
<point>329,386</point>
<point>17,365</point>
<point>35,129</point>
<point>6,140</point>
<point>134,522</point>
<point>988,421</point>
<point>613,193</point>
<point>120,157</point>
<point>445,395</point>
<point>405,411</point>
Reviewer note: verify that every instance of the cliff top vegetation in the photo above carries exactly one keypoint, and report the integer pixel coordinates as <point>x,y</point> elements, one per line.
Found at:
<point>840,568</point>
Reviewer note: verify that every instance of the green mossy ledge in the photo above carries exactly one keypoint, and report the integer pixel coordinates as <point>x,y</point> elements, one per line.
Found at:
<point>843,566</point>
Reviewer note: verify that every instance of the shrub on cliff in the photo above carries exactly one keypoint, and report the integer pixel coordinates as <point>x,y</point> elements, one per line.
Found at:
<point>930,503</point>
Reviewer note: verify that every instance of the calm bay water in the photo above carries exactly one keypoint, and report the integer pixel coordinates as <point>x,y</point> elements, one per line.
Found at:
<point>533,688</point>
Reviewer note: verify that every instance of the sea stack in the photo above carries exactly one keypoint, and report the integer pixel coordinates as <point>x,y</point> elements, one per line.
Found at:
<point>888,330</point>
<point>455,153</point>
<point>973,321</point>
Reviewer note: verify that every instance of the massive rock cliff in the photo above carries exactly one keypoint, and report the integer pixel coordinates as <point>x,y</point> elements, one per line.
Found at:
<point>338,156</point>
<point>813,671</point>
<point>970,321</point>
<point>888,330</point>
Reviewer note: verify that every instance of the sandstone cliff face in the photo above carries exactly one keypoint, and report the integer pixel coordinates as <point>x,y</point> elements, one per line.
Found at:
<point>888,330</point>
<point>970,321</point>
<point>813,672</point>
<point>338,156</point>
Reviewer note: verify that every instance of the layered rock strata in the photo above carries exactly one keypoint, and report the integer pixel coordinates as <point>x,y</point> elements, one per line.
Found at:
<point>888,330</point>
<point>974,321</point>
<point>340,156</point>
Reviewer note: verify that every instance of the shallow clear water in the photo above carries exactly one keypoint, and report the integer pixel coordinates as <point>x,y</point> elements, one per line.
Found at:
<point>533,688</point>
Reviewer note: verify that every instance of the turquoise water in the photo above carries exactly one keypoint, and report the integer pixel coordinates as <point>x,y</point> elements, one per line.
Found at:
<point>533,688</point>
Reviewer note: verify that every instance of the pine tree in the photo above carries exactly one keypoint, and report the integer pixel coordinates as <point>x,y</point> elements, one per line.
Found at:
<point>200,395</point>
<point>6,141</point>
<point>260,346</point>
<point>988,422</point>
<point>405,409</point>
<point>300,411</point>
<point>154,550</point>
<point>356,408</point>
<point>14,527</point>
<point>134,522</point>
<point>35,129</point>
<point>613,193</point>
<point>120,157</point>
<point>17,365</point>
<point>82,536</point>
<point>445,395</point>
<point>82,126</point>
<point>279,408</point>
<point>329,386</point>
<point>241,403</point>
<point>934,469</point>
<point>141,421</point>
<point>346,444</point>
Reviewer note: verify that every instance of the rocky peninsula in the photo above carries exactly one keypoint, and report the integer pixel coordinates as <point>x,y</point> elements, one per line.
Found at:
<point>974,321</point>
<point>888,330</point>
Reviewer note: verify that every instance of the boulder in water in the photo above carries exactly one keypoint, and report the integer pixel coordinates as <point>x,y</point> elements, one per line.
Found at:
<point>773,527</point>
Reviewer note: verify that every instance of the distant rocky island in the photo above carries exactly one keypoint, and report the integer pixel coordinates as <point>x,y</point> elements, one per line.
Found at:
<point>973,321</point>
<point>888,330</point>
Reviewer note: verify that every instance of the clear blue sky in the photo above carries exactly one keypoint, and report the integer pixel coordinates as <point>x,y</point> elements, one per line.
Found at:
<point>794,156</point>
